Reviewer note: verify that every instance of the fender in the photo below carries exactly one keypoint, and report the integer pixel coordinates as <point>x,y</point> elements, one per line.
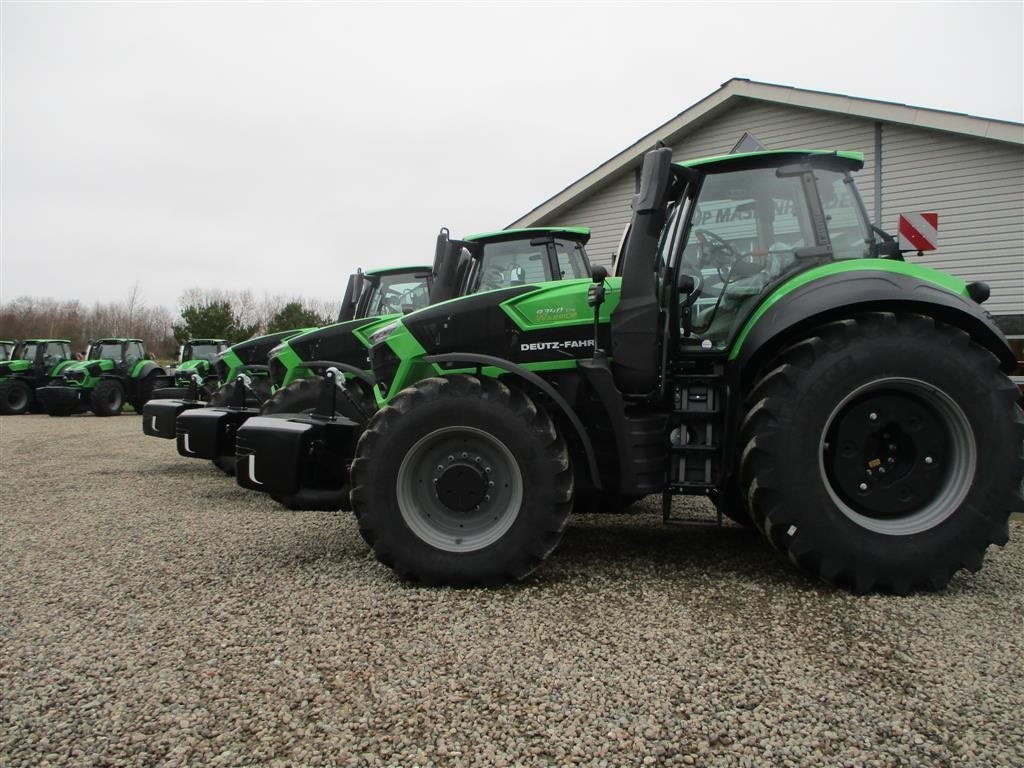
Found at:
<point>531,377</point>
<point>145,368</point>
<point>841,288</point>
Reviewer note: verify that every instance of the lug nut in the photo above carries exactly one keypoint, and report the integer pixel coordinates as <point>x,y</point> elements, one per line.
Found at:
<point>863,486</point>
<point>873,416</point>
<point>928,459</point>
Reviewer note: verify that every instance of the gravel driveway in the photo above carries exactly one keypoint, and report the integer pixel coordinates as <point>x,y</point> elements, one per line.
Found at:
<point>153,613</point>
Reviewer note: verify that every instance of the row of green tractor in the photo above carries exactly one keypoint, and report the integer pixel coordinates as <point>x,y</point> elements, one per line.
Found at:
<point>758,342</point>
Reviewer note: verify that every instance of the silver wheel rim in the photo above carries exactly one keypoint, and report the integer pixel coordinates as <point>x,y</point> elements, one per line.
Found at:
<point>445,453</point>
<point>960,459</point>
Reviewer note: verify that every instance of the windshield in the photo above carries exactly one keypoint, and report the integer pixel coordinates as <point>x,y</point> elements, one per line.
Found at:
<point>393,294</point>
<point>202,351</point>
<point>520,262</point>
<point>847,220</point>
<point>746,231</point>
<point>28,352</point>
<point>105,350</point>
<point>5,351</point>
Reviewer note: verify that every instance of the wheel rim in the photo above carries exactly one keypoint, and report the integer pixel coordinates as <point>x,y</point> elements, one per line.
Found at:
<point>17,398</point>
<point>897,456</point>
<point>114,398</point>
<point>459,489</point>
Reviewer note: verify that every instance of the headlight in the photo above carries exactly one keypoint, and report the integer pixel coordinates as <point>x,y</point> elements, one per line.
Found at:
<point>382,333</point>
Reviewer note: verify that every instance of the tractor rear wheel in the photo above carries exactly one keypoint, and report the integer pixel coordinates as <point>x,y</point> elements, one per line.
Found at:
<point>107,398</point>
<point>462,481</point>
<point>15,397</point>
<point>884,452</point>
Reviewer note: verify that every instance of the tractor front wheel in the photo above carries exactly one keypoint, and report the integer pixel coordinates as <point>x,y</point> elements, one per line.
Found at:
<point>15,397</point>
<point>884,452</point>
<point>107,398</point>
<point>462,481</point>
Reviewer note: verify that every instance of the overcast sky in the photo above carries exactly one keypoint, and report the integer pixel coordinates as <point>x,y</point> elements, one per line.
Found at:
<point>276,147</point>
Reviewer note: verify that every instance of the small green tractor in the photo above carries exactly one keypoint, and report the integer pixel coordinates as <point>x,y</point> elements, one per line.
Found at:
<point>761,344</point>
<point>115,371</point>
<point>195,359</point>
<point>31,365</point>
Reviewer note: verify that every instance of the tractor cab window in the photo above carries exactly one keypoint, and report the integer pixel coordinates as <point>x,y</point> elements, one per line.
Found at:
<point>133,352</point>
<point>28,352</point>
<point>746,230</point>
<point>394,294</point>
<point>572,262</point>
<point>55,352</point>
<point>514,262</point>
<point>5,352</point>
<point>848,227</point>
<point>105,350</point>
<point>203,351</point>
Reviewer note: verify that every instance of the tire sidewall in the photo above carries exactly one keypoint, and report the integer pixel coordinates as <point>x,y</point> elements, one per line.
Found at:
<point>496,561</point>
<point>9,388</point>
<point>98,400</point>
<point>803,419</point>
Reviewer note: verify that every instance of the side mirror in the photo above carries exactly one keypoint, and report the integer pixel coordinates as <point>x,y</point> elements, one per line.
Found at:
<point>598,273</point>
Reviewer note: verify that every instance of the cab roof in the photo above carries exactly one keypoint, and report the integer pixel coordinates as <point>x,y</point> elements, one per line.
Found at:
<point>853,161</point>
<point>206,341</point>
<point>395,270</point>
<point>113,341</point>
<point>41,341</point>
<point>571,233</point>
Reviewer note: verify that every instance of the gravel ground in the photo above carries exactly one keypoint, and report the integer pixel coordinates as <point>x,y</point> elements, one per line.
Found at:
<point>154,613</point>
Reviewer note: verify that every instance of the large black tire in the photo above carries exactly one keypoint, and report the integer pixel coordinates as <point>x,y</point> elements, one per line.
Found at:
<point>107,398</point>
<point>915,403</point>
<point>144,390</point>
<point>16,397</point>
<point>490,441</point>
<point>255,396</point>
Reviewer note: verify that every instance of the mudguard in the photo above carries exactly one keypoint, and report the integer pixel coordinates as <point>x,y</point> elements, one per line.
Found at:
<point>881,286</point>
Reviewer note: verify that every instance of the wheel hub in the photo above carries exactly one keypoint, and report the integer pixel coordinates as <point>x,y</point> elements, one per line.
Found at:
<point>462,486</point>
<point>897,455</point>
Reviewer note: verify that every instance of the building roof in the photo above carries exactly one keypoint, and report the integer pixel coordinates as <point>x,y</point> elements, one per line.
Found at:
<point>738,89</point>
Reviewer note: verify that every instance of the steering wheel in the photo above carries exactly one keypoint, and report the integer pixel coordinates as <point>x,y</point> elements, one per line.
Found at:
<point>492,277</point>
<point>721,256</point>
<point>391,299</point>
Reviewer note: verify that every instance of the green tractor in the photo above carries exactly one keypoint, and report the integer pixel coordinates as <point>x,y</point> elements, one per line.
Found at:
<point>476,263</point>
<point>33,363</point>
<point>242,374</point>
<point>764,345</point>
<point>115,371</point>
<point>195,359</point>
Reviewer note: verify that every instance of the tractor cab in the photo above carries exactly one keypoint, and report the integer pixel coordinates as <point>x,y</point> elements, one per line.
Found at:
<point>391,291</point>
<point>721,233</point>
<point>509,258</point>
<point>123,353</point>
<point>201,349</point>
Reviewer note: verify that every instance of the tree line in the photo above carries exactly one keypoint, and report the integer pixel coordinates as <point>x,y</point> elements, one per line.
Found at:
<point>203,313</point>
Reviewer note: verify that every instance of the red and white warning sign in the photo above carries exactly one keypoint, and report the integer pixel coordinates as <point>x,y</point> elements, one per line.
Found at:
<point>919,231</point>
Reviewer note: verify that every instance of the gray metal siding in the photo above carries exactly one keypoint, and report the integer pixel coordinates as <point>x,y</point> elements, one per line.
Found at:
<point>977,188</point>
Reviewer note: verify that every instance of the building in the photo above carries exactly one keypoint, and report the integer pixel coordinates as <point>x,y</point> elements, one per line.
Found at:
<point>968,169</point>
